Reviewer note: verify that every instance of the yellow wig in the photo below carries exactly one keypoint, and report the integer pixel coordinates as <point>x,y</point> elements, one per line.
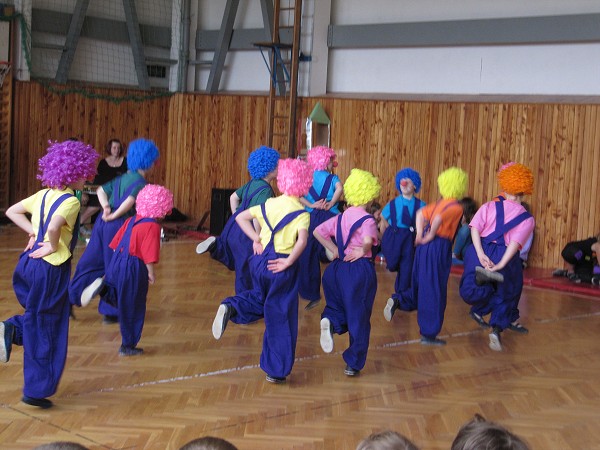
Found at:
<point>361,187</point>
<point>515,179</point>
<point>453,183</point>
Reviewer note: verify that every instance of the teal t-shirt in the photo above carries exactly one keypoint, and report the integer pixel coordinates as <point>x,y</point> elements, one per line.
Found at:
<point>259,198</point>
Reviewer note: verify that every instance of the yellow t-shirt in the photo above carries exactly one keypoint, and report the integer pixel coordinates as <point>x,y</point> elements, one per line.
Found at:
<point>277,208</point>
<point>68,210</point>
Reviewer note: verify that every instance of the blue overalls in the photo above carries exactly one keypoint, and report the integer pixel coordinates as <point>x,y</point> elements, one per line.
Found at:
<point>97,255</point>
<point>274,296</point>
<point>429,286</point>
<point>398,246</point>
<point>43,329</point>
<point>314,253</point>
<point>500,299</point>
<point>127,277</point>
<point>233,248</point>
<point>350,289</point>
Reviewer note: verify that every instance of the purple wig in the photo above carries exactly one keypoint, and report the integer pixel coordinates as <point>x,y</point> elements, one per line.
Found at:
<point>412,175</point>
<point>294,177</point>
<point>262,161</point>
<point>154,201</point>
<point>66,163</point>
<point>141,154</point>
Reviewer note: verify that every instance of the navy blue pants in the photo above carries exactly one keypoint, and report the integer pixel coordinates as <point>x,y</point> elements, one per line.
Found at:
<point>43,329</point>
<point>350,289</point>
<point>397,245</point>
<point>127,278</point>
<point>93,263</point>
<point>233,249</point>
<point>499,299</point>
<point>274,297</point>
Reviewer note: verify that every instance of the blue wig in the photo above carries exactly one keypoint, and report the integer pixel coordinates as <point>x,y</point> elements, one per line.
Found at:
<point>141,154</point>
<point>412,175</point>
<point>262,161</point>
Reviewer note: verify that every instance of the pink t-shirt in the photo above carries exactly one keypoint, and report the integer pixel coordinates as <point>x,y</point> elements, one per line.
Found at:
<point>350,216</point>
<point>485,221</point>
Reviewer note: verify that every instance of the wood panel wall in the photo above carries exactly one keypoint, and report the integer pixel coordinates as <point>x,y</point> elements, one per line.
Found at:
<point>205,141</point>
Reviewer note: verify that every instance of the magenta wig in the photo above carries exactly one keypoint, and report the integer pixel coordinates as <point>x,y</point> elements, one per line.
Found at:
<point>154,201</point>
<point>262,161</point>
<point>66,163</point>
<point>319,157</point>
<point>141,154</point>
<point>294,177</point>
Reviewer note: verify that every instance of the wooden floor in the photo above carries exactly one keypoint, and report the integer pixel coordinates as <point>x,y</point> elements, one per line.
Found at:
<point>544,386</point>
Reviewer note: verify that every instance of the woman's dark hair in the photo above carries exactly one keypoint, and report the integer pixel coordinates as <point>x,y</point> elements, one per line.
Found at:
<point>469,207</point>
<point>109,144</point>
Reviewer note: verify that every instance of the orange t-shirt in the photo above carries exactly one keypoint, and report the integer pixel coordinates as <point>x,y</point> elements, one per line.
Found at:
<point>450,212</point>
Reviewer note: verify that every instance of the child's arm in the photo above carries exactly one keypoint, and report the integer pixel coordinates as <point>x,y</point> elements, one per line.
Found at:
<point>420,222</point>
<point>512,249</point>
<point>151,277</point>
<point>103,200</point>
<point>359,252</point>
<point>245,221</point>
<point>234,202</point>
<point>483,259</point>
<point>17,213</point>
<point>339,190</point>
<point>121,210</point>
<point>280,264</point>
<point>319,204</point>
<point>47,248</point>
<point>327,243</point>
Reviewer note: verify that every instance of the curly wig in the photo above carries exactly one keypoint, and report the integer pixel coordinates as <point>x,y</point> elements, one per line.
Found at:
<point>412,175</point>
<point>141,154</point>
<point>262,161</point>
<point>361,187</point>
<point>318,157</point>
<point>294,177</point>
<point>154,201</point>
<point>453,183</point>
<point>515,179</point>
<point>66,163</point>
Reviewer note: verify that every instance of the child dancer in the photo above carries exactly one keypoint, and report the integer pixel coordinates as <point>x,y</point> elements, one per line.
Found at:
<point>493,276</point>
<point>274,296</point>
<point>233,248</point>
<point>433,257</point>
<point>322,204</point>
<point>42,274</point>
<point>349,282</point>
<point>117,198</point>
<point>136,250</point>
<point>398,241</point>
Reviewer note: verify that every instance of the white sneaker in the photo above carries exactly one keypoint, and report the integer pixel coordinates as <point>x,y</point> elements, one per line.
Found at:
<point>390,308</point>
<point>205,245</point>
<point>326,336</point>
<point>220,322</point>
<point>495,343</point>
<point>91,291</point>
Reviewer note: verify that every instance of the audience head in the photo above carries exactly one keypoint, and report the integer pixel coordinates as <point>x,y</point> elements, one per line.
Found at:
<point>209,443</point>
<point>66,163</point>
<point>515,179</point>
<point>109,145</point>
<point>453,183</point>
<point>408,174</point>
<point>141,154</point>
<point>481,434</point>
<point>386,440</point>
<point>61,445</point>
<point>154,201</point>
<point>469,207</point>
<point>319,157</point>
<point>294,177</point>
<point>361,187</point>
<point>262,162</point>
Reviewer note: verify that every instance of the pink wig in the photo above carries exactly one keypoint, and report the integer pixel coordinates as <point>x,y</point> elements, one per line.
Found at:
<point>66,163</point>
<point>319,157</point>
<point>294,177</point>
<point>154,201</point>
